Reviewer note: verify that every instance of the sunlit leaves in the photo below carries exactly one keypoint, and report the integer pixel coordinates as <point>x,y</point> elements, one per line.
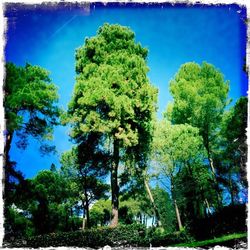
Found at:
<point>200,96</point>
<point>176,144</point>
<point>112,86</point>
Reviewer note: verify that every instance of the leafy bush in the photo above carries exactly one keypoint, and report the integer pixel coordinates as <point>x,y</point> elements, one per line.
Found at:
<point>130,235</point>
<point>160,238</point>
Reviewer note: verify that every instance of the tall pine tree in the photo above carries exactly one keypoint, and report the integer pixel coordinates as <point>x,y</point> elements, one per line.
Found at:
<point>114,97</point>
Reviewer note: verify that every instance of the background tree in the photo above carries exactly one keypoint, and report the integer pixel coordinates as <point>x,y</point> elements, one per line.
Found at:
<point>30,110</point>
<point>84,165</point>
<point>237,137</point>
<point>179,148</point>
<point>41,205</point>
<point>50,192</point>
<point>232,155</point>
<point>200,96</point>
<point>165,208</point>
<point>29,102</point>
<point>17,215</point>
<point>113,96</point>
<point>100,213</point>
<point>132,210</point>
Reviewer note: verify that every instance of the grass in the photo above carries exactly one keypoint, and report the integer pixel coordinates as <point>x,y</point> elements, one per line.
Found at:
<point>219,240</point>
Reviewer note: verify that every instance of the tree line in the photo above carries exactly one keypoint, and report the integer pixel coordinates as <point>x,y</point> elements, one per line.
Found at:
<point>171,171</point>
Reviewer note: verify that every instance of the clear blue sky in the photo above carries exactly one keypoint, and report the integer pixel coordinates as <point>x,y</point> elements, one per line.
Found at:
<point>48,36</point>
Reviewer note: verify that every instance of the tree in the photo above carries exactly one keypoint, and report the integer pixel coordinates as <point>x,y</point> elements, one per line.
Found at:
<point>50,192</point>
<point>17,222</point>
<point>29,102</point>
<point>232,156</point>
<point>30,110</point>
<point>179,148</point>
<point>130,211</point>
<point>235,133</point>
<point>84,166</point>
<point>100,213</point>
<point>166,209</point>
<point>113,97</point>
<point>157,216</point>
<point>200,96</point>
<point>41,204</point>
<point>194,196</point>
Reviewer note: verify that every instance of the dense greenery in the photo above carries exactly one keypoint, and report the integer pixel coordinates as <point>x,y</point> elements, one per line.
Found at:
<point>30,110</point>
<point>176,179</point>
<point>200,96</point>
<point>129,235</point>
<point>113,98</point>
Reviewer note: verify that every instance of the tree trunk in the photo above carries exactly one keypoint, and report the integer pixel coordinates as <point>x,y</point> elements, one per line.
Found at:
<point>71,215</point>
<point>219,198</point>
<point>6,166</point>
<point>114,185</point>
<point>231,190</point>
<point>140,216</point>
<point>86,208</point>
<point>87,214</point>
<point>156,213</point>
<point>84,220</point>
<point>208,206</point>
<point>85,204</point>
<point>7,147</point>
<point>211,164</point>
<point>177,213</point>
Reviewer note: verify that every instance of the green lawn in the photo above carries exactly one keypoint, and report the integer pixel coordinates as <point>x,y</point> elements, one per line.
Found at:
<point>219,240</point>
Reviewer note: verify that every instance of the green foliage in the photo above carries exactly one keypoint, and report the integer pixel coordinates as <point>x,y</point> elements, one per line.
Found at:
<point>113,124</point>
<point>112,94</point>
<point>84,168</point>
<point>161,238</point>
<point>18,224</point>
<point>165,208</point>
<point>46,206</point>
<point>129,210</point>
<point>100,213</point>
<point>131,235</point>
<point>30,110</point>
<point>29,102</point>
<point>114,98</point>
<point>179,154</point>
<point>194,193</point>
<point>232,155</point>
<point>200,96</point>
<point>132,207</point>
<point>112,88</point>
<point>174,145</point>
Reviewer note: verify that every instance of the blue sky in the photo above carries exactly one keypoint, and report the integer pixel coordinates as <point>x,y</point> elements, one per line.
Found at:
<point>48,36</point>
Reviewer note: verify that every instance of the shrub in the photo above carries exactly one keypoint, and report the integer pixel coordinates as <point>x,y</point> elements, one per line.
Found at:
<point>159,238</point>
<point>130,235</point>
